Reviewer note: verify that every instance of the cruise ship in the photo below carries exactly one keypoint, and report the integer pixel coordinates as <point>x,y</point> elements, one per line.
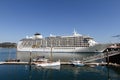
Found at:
<point>60,44</point>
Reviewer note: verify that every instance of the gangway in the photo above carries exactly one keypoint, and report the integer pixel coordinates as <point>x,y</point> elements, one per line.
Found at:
<point>100,56</point>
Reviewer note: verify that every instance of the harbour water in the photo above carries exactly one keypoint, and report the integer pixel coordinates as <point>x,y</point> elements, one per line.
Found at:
<point>65,72</point>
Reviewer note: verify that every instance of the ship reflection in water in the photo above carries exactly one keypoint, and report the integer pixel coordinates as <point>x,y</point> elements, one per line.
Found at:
<point>25,56</point>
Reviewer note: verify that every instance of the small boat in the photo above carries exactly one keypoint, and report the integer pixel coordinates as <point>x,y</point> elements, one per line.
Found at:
<point>48,64</point>
<point>45,63</point>
<point>78,63</point>
<point>48,67</point>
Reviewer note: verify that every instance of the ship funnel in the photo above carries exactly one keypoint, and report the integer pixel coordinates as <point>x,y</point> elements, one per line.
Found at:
<point>38,35</point>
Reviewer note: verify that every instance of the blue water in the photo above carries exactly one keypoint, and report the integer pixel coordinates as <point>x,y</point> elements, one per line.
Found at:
<point>6,53</point>
<point>65,72</point>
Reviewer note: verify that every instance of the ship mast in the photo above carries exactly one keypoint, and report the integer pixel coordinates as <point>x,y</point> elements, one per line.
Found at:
<point>51,56</point>
<point>74,32</point>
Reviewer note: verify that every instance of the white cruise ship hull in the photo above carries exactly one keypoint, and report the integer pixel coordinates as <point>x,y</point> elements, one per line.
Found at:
<point>95,48</point>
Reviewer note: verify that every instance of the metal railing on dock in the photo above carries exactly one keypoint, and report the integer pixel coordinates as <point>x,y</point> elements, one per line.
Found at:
<point>100,56</point>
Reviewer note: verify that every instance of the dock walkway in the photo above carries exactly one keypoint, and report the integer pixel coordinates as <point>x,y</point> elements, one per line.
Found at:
<point>27,63</point>
<point>16,63</point>
<point>62,63</point>
<point>100,56</point>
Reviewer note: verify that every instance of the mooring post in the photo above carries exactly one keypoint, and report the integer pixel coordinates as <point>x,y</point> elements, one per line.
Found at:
<point>107,57</point>
<point>30,58</point>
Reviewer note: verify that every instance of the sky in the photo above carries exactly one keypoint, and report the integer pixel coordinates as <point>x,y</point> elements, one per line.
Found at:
<point>99,19</point>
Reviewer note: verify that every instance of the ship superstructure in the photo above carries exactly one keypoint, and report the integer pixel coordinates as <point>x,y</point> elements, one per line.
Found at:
<point>73,43</point>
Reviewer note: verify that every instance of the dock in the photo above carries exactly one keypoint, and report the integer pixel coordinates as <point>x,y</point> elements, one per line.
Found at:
<point>62,63</point>
<point>14,63</point>
<point>27,63</point>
